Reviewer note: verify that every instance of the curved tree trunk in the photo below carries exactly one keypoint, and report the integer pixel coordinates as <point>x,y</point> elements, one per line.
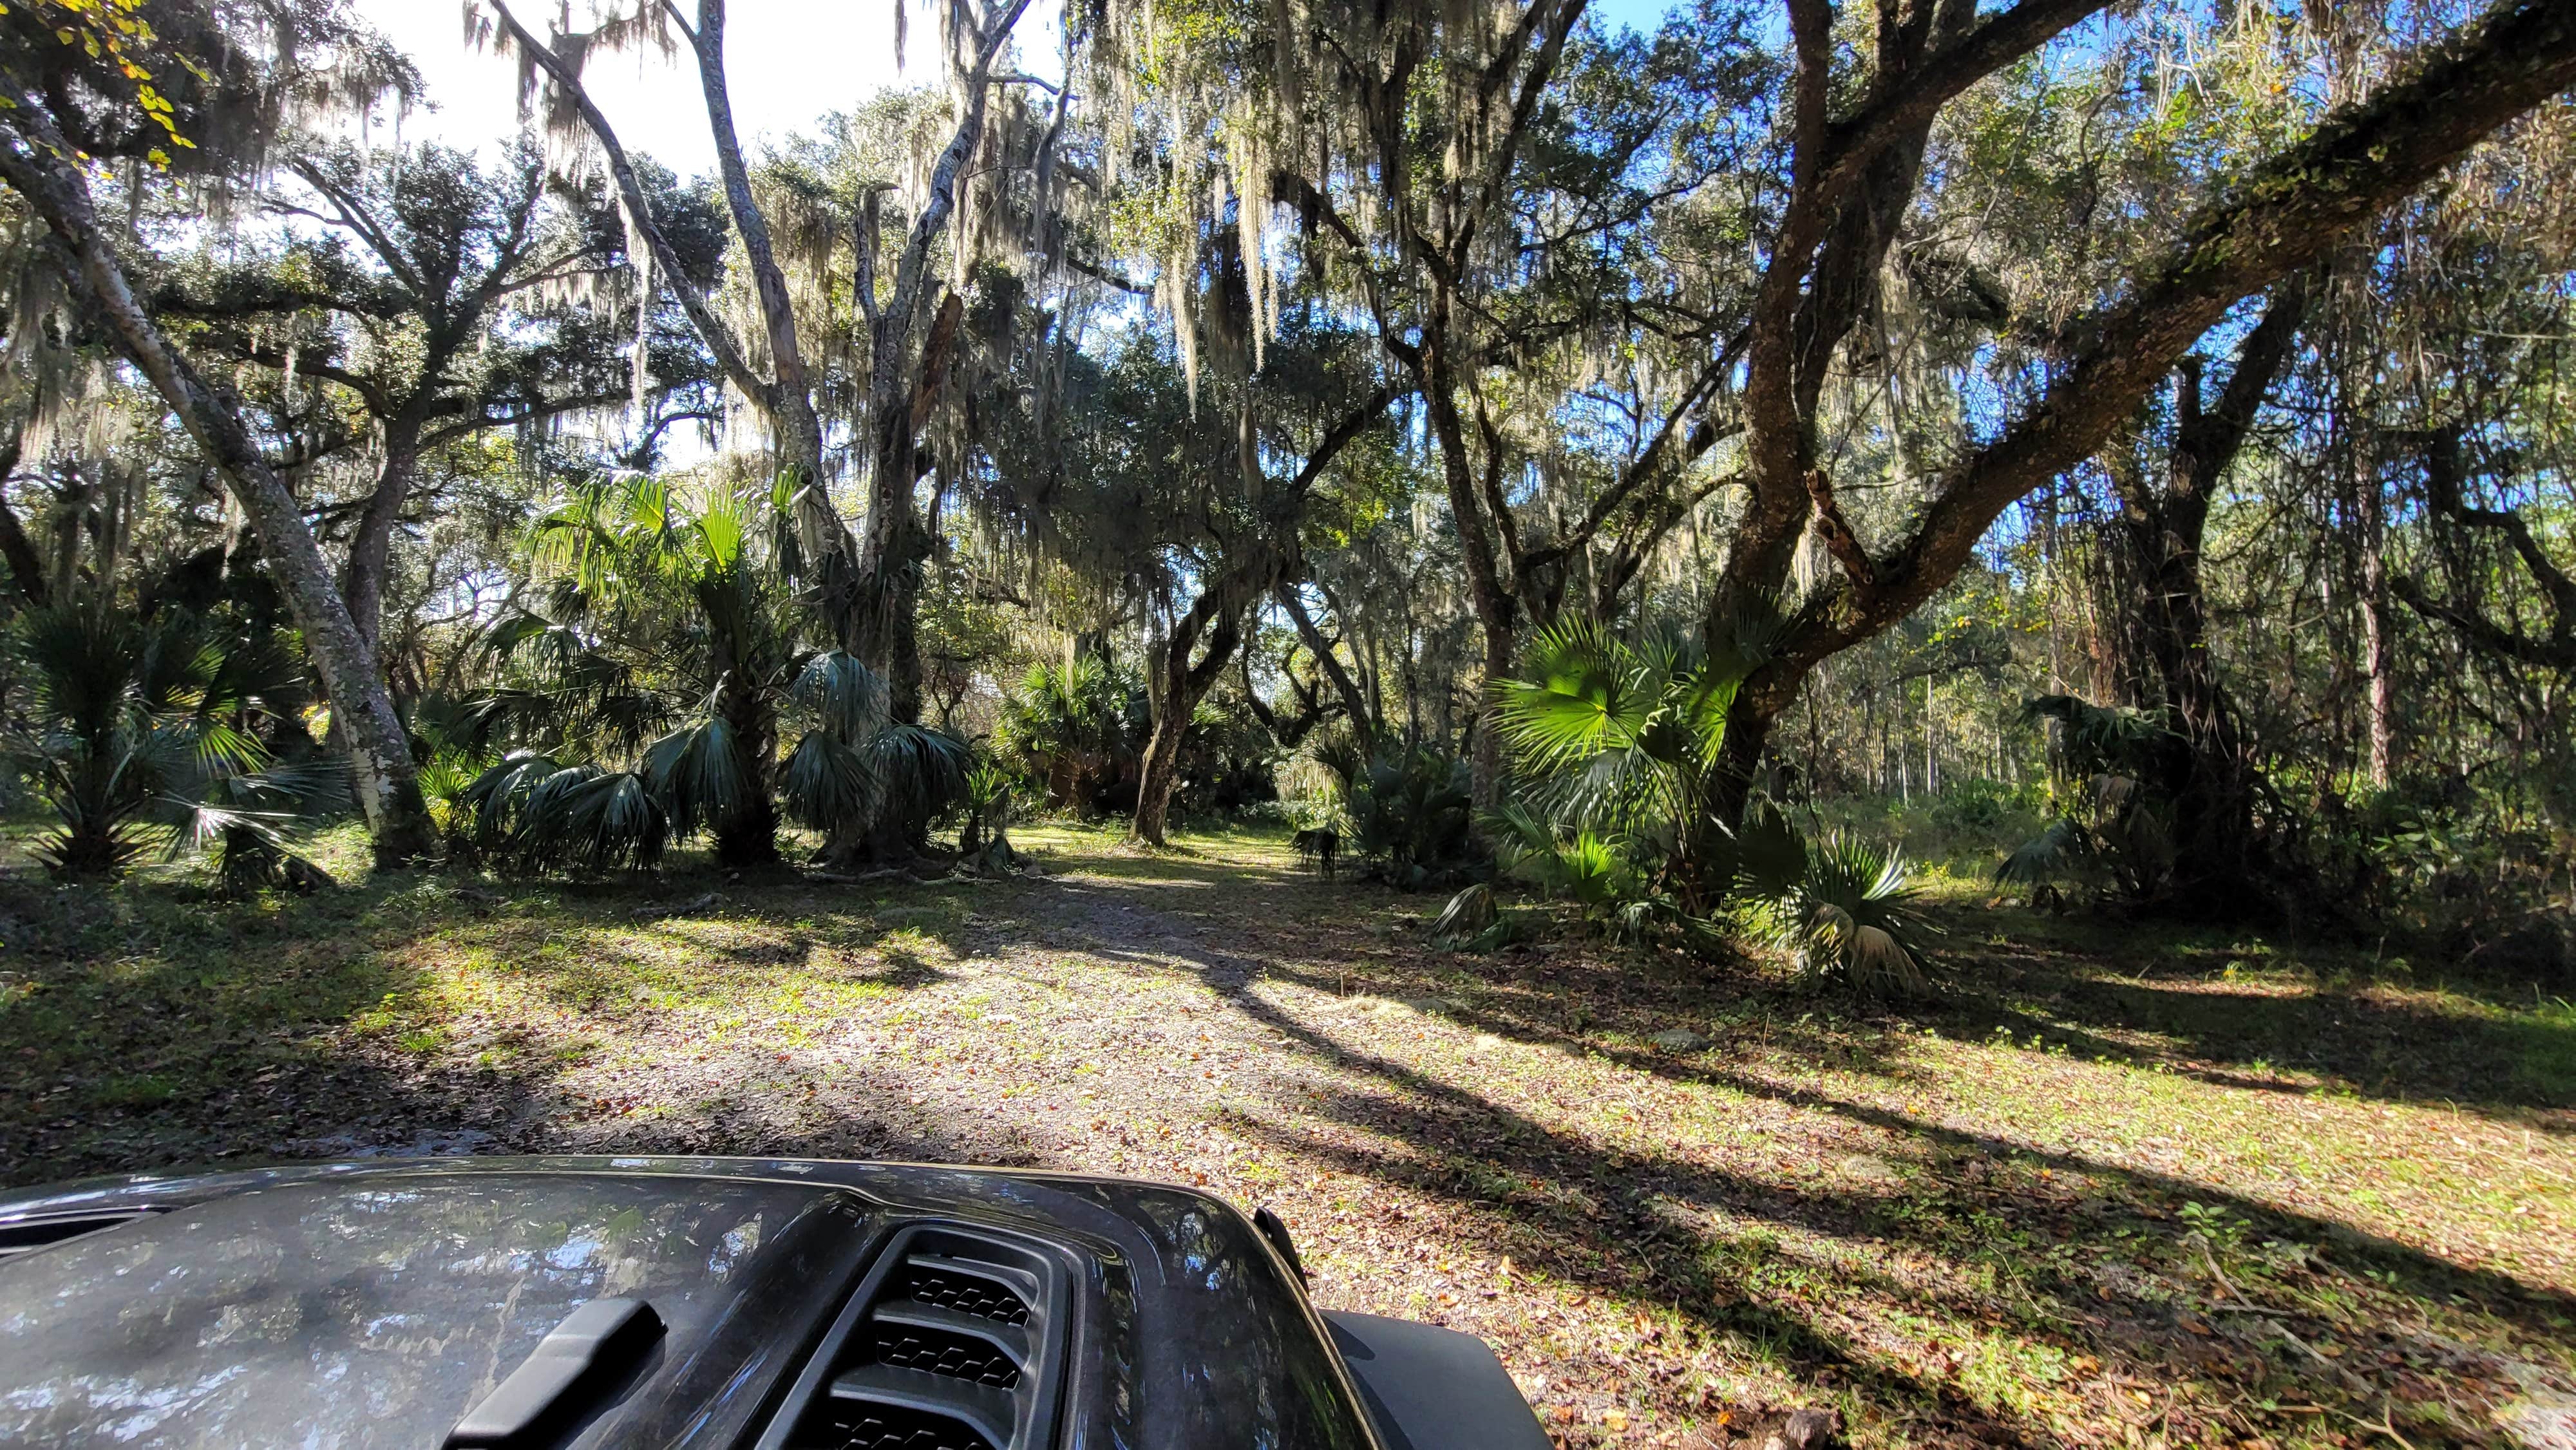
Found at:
<point>1174,691</point>
<point>371,547</point>
<point>387,785</point>
<point>1160,778</point>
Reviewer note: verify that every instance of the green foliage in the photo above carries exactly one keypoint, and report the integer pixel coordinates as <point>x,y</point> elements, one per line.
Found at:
<point>2113,831</point>
<point>1625,822</point>
<point>143,732</point>
<point>1623,736</point>
<point>1078,728</point>
<point>531,815</point>
<point>673,638</point>
<point>2470,868</point>
<point>1624,745</point>
<point>1410,813</point>
<point>1978,808</point>
<point>1579,864</point>
<point>1848,916</point>
<point>983,842</point>
<point>1229,760</point>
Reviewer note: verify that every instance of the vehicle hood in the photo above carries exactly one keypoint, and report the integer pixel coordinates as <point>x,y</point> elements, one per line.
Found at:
<point>373,1303</point>
<point>367,1312</point>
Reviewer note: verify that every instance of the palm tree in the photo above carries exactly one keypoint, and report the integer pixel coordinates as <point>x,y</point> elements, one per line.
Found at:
<point>669,636</point>
<point>1625,742</point>
<point>653,592</point>
<point>139,733</point>
<point>1074,726</point>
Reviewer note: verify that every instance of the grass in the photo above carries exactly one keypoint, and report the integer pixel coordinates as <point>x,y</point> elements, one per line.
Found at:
<point>2119,1187</point>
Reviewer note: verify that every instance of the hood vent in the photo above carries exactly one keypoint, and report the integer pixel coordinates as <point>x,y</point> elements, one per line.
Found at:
<point>43,1231</point>
<point>954,1342</point>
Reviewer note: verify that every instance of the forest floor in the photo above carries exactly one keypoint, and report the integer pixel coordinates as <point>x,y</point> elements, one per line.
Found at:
<point>2116,1187</point>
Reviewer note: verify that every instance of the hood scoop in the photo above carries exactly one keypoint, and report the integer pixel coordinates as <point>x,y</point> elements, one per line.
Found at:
<point>954,1342</point>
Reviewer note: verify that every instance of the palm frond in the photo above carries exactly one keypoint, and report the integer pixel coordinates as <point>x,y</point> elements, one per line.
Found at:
<point>498,798</point>
<point>1769,855</point>
<point>829,784</point>
<point>1581,693</point>
<point>696,773</point>
<point>2106,740</point>
<point>1851,917</point>
<point>851,700</point>
<point>920,771</point>
<point>2052,855</point>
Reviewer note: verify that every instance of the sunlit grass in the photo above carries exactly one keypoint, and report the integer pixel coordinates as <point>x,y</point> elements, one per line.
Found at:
<point>1982,1204</point>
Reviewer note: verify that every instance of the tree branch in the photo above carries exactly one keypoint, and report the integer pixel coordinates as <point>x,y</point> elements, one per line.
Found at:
<point>2280,218</point>
<point>710,328</point>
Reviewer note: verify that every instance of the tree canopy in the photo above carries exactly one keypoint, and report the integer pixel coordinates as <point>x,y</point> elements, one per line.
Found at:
<point>1953,380</point>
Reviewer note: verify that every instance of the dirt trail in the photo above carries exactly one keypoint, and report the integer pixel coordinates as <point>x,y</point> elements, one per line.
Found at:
<point>1678,1202</point>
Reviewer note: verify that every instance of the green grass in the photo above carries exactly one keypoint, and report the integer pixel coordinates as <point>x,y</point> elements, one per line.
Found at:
<point>1993,1218</point>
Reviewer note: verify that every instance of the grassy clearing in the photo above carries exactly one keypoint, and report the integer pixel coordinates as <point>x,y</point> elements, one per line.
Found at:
<point>2123,1188</point>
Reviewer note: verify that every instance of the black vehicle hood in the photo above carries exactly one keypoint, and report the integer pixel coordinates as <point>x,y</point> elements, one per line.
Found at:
<point>372,1312</point>
<point>371,1304</point>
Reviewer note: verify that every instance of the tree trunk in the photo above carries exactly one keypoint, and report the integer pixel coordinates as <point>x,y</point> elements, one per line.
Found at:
<point>2221,862</point>
<point>371,548</point>
<point>1739,756</point>
<point>26,570</point>
<point>2378,642</point>
<point>1161,776</point>
<point>878,596</point>
<point>748,834</point>
<point>388,788</point>
<point>1497,607</point>
<point>1486,766</point>
<point>1174,691</point>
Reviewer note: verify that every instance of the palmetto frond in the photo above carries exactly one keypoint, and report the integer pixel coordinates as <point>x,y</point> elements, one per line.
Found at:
<point>593,818</point>
<point>2054,854</point>
<point>493,803</point>
<point>1769,852</point>
<point>696,774</point>
<point>2096,740</point>
<point>1620,737</point>
<point>851,700</point>
<point>1849,916</point>
<point>532,815</point>
<point>921,771</point>
<point>139,731</point>
<point>1582,694</point>
<point>829,782</point>
<point>1411,815</point>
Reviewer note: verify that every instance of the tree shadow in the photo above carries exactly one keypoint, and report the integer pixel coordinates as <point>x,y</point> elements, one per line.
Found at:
<point>148,1026</point>
<point>2173,1002</point>
<point>206,1030</point>
<point>1604,1218</point>
<point>2083,1261</point>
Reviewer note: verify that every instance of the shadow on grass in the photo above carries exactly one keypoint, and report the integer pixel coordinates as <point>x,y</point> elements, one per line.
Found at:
<point>1605,1219</point>
<point>2167,997</point>
<point>2040,1249</point>
<point>152,1026</point>
<point>139,1028</point>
